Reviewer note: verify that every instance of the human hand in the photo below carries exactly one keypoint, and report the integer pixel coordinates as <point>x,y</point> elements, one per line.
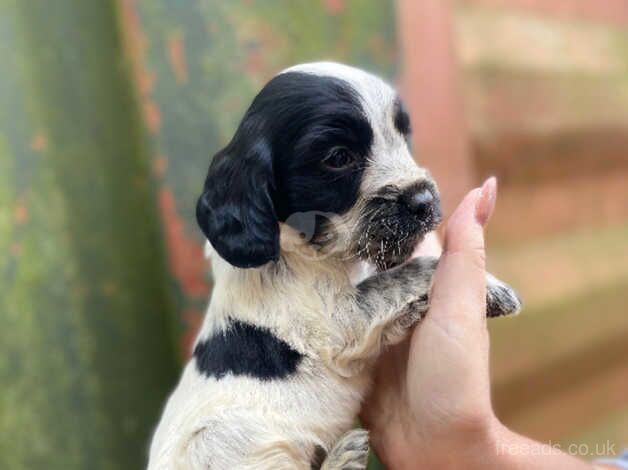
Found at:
<point>436,385</point>
<point>430,407</point>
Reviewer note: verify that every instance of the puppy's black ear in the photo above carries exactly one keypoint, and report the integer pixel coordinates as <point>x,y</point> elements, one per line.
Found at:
<point>236,210</point>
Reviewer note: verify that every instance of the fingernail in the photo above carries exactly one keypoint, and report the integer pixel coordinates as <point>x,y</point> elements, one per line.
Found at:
<point>486,201</point>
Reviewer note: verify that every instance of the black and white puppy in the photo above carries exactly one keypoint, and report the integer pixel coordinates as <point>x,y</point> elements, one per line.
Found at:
<point>312,211</point>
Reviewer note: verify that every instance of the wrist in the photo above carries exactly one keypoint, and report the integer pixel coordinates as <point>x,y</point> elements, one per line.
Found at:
<point>478,447</point>
<point>472,445</point>
<point>486,446</point>
<point>509,450</point>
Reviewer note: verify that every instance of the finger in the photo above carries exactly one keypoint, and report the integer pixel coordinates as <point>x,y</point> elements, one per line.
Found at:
<point>460,282</point>
<point>465,228</point>
<point>430,246</point>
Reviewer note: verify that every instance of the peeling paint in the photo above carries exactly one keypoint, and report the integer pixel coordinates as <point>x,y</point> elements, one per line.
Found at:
<point>160,165</point>
<point>39,142</point>
<point>136,45</point>
<point>187,263</point>
<point>152,116</point>
<point>334,7</point>
<point>176,57</point>
<point>20,212</point>
<point>16,249</point>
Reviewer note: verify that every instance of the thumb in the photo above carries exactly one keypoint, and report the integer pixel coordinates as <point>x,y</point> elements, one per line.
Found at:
<point>460,281</point>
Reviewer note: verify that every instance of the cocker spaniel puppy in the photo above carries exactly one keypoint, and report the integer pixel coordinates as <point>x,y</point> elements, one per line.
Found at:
<point>312,212</point>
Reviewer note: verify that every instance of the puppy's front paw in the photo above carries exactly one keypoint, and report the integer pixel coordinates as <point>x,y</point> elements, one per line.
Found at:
<point>501,299</point>
<point>412,313</point>
<point>351,452</point>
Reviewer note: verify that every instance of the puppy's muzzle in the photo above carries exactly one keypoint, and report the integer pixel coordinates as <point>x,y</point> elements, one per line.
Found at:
<point>422,201</point>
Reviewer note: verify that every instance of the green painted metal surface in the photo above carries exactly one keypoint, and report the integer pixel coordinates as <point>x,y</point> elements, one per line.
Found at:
<point>86,345</point>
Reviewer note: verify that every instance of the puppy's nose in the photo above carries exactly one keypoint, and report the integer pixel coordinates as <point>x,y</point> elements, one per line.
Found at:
<point>420,202</point>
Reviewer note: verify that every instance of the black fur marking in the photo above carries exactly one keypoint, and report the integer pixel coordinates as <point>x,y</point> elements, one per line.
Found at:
<point>401,119</point>
<point>245,349</point>
<point>236,210</point>
<point>273,167</point>
<point>318,458</point>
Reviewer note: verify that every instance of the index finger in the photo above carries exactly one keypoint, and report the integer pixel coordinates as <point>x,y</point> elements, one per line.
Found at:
<point>459,291</point>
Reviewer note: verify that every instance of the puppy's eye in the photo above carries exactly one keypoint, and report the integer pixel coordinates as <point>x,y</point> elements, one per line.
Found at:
<point>339,158</point>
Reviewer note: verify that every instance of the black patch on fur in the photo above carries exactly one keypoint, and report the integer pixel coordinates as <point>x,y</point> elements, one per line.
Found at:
<point>272,168</point>
<point>318,458</point>
<point>401,119</point>
<point>245,349</point>
<point>236,211</point>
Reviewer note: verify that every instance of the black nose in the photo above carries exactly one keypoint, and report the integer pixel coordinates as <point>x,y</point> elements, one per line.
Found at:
<point>420,202</point>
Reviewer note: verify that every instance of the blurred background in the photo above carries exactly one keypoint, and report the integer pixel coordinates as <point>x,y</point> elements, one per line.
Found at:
<point>111,110</point>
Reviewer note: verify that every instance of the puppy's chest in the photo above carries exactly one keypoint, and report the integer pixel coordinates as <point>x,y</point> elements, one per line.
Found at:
<point>307,397</point>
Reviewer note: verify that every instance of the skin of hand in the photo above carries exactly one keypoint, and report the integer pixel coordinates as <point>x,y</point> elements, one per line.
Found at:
<point>430,407</point>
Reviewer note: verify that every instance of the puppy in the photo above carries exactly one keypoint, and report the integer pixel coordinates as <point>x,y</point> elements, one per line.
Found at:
<point>312,212</point>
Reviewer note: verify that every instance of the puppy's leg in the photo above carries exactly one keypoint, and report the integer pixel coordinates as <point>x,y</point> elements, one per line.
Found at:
<point>351,452</point>
<point>383,306</point>
<point>392,301</point>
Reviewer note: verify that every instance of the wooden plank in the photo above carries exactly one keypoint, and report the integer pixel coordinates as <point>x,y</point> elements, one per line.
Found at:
<point>602,11</point>
<point>547,270</point>
<point>528,74</point>
<point>431,88</point>
<point>525,345</point>
<point>492,37</point>
<point>576,405</point>
<point>551,369</point>
<point>558,206</point>
<point>521,104</point>
<point>569,155</point>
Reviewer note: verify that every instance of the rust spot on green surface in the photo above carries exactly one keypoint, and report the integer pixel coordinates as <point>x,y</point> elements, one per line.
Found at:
<point>187,263</point>
<point>136,46</point>
<point>334,7</point>
<point>109,288</point>
<point>152,116</point>
<point>254,63</point>
<point>176,57</point>
<point>160,165</point>
<point>39,142</point>
<point>20,212</point>
<point>16,249</point>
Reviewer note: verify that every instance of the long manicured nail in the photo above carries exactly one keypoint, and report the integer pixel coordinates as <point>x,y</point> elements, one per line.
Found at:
<point>486,201</point>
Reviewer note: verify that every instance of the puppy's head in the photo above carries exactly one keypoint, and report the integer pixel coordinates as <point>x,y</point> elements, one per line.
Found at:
<point>323,146</point>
